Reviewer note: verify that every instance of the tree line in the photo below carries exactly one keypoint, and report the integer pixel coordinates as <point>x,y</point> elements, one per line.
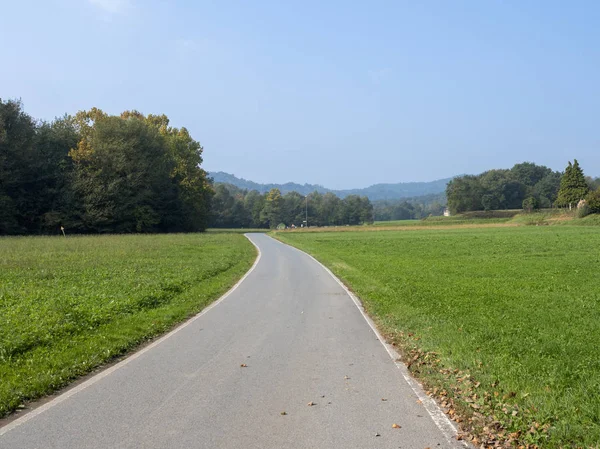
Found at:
<point>526,185</point>
<point>98,173</point>
<point>233,207</point>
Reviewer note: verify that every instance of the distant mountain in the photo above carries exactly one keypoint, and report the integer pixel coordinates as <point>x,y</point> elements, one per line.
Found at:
<point>242,183</point>
<point>374,192</point>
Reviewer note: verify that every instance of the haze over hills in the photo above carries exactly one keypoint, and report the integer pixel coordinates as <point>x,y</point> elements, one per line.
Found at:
<point>374,193</point>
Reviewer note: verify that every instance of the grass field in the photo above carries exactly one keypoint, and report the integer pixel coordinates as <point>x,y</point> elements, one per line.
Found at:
<point>69,305</point>
<point>502,324</point>
<point>441,221</point>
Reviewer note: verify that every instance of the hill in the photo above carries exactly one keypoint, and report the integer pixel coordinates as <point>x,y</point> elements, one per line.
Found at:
<point>374,193</point>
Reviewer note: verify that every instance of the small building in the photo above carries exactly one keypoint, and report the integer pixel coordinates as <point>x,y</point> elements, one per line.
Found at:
<point>446,212</point>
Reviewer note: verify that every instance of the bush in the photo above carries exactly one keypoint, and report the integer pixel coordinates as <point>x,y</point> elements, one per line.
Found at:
<point>489,214</point>
<point>593,201</point>
<point>583,211</point>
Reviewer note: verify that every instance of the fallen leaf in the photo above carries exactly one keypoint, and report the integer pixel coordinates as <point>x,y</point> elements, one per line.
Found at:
<point>284,413</point>
<point>383,399</point>
<point>243,365</point>
<point>395,426</point>
<point>346,377</point>
<point>419,401</point>
<point>311,403</point>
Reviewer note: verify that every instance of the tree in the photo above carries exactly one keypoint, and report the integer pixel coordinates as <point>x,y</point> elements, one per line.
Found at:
<point>271,212</point>
<point>254,203</point>
<point>464,194</point>
<point>17,156</point>
<point>293,208</point>
<point>546,189</point>
<point>490,201</point>
<point>593,183</point>
<point>573,186</point>
<point>357,210</point>
<point>528,173</point>
<point>593,201</point>
<point>330,211</point>
<point>194,191</point>
<point>34,170</point>
<point>530,203</point>
<point>315,206</point>
<point>123,177</point>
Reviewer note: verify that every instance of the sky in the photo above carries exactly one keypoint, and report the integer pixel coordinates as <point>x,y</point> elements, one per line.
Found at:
<point>342,94</point>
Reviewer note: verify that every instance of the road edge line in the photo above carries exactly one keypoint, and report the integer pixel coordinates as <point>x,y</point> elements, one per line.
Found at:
<point>440,419</point>
<point>130,358</point>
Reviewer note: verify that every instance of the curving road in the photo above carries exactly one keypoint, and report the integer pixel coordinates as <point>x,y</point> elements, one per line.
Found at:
<point>303,340</point>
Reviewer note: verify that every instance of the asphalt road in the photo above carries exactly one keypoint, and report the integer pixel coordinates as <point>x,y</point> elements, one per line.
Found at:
<point>303,340</point>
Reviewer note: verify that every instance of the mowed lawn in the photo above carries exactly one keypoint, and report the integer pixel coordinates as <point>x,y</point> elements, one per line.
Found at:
<point>70,304</point>
<point>516,309</point>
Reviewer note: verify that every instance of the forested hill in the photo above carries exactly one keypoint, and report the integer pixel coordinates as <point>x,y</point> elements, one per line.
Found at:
<point>374,192</point>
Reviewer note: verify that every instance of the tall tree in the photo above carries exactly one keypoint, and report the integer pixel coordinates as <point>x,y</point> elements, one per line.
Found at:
<point>529,173</point>
<point>254,203</point>
<point>331,213</point>
<point>17,140</point>
<point>271,213</point>
<point>34,170</point>
<point>293,208</point>
<point>194,189</point>
<point>573,186</point>
<point>122,175</point>
<point>464,194</point>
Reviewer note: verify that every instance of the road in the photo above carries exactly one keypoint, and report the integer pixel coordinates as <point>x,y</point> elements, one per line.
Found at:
<point>303,340</point>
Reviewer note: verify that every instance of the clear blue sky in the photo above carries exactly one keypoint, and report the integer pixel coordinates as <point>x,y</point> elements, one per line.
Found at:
<point>334,93</point>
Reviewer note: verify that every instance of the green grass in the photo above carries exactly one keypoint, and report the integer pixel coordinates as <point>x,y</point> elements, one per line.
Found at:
<point>517,309</point>
<point>69,305</point>
<point>590,220</point>
<point>443,221</point>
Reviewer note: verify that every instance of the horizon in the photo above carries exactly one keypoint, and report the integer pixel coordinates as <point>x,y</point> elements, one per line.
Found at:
<point>337,95</point>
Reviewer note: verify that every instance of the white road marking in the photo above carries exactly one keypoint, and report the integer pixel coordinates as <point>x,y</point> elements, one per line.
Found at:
<point>67,394</point>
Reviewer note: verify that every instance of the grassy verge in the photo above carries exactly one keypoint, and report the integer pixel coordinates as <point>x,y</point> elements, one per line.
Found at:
<point>440,221</point>
<point>501,324</point>
<point>235,230</point>
<point>69,305</point>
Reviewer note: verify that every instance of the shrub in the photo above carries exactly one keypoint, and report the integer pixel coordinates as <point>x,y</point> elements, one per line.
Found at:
<point>593,201</point>
<point>583,211</point>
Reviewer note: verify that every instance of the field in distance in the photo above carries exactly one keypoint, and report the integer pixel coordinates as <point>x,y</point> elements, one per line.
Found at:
<point>69,305</point>
<point>502,324</point>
